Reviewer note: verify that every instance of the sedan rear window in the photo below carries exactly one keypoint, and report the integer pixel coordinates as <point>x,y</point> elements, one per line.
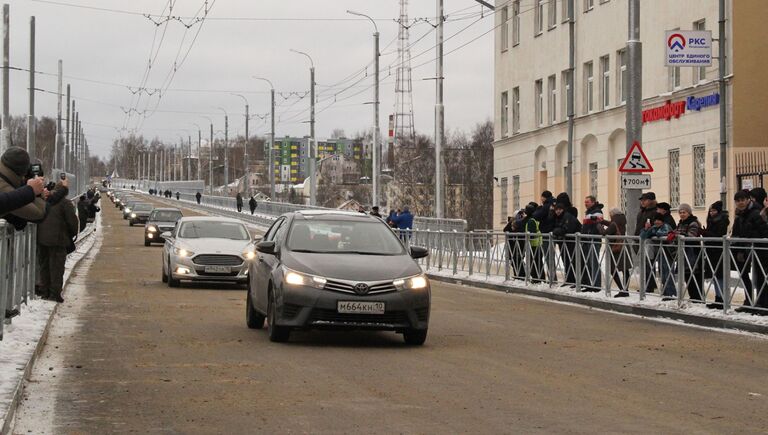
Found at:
<point>214,230</point>
<point>165,216</point>
<point>333,236</point>
<point>143,207</point>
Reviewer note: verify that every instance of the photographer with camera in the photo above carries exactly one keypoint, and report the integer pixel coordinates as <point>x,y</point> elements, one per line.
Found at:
<point>55,239</point>
<point>18,176</point>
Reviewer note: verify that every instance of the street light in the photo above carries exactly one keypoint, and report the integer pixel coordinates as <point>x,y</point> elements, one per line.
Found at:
<point>312,152</point>
<point>271,164</point>
<point>199,142</point>
<point>210,158</point>
<point>226,148</point>
<point>245,154</point>
<point>376,170</point>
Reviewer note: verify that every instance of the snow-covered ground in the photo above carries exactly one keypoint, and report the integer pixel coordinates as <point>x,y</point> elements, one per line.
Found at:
<point>22,336</point>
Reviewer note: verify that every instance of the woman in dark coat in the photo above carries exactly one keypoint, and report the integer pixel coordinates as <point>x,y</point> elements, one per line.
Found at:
<point>620,261</point>
<point>717,226</point>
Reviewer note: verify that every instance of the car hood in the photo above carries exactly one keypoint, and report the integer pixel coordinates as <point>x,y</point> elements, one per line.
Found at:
<point>352,267</point>
<point>162,224</point>
<point>214,246</point>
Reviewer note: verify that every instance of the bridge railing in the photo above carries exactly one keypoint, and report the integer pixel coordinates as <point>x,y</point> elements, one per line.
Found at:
<point>684,272</point>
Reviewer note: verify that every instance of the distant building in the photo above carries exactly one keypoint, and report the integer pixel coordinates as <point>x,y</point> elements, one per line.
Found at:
<point>292,156</point>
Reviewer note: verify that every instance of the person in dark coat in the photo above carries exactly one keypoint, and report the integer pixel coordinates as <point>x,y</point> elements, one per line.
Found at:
<point>717,226</point>
<point>516,247</point>
<point>54,234</point>
<point>14,166</point>
<point>644,218</point>
<point>621,261</point>
<point>404,220</point>
<point>93,207</point>
<point>392,214</point>
<point>590,248</point>
<point>252,204</point>
<point>198,196</point>
<point>531,226</point>
<point>657,233</point>
<point>82,212</point>
<point>690,227</point>
<point>666,210</point>
<point>375,211</point>
<point>545,215</point>
<point>564,225</point>
<point>14,199</point>
<point>178,196</point>
<point>239,202</point>
<point>749,225</point>
<point>565,199</point>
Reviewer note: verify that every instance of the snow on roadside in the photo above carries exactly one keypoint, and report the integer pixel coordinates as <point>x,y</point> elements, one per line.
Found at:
<point>21,337</point>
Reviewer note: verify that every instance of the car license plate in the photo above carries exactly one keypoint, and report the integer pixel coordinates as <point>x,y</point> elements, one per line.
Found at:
<point>349,307</point>
<point>217,269</point>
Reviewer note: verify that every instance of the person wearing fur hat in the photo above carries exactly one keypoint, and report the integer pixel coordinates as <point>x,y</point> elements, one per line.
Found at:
<point>14,168</point>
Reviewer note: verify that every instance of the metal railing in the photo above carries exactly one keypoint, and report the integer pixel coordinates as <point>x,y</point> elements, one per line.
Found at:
<point>727,272</point>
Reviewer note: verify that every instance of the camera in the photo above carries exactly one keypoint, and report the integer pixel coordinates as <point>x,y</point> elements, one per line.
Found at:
<point>63,176</point>
<point>35,170</point>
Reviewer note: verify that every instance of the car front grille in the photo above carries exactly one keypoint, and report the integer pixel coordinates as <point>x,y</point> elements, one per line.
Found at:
<point>349,287</point>
<point>217,260</point>
<point>388,318</point>
<point>217,275</point>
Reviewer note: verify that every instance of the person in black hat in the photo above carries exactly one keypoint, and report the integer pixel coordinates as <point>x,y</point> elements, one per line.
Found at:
<point>648,208</point>
<point>375,211</point>
<point>717,226</point>
<point>14,175</point>
<point>531,226</point>
<point>665,209</point>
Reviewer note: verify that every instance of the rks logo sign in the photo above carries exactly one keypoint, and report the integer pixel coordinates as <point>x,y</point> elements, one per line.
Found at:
<point>676,42</point>
<point>688,48</point>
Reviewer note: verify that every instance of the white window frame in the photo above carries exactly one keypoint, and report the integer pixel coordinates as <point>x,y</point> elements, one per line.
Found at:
<point>504,114</point>
<point>552,17</point>
<point>504,206</point>
<point>552,87</point>
<point>565,86</point>
<point>700,74</point>
<point>538,17</point>
<point>699,157</point>
<point>504,28</point>
<point>515,23</point>
<point>605,83</point>
<point>516,110</point>
<point>516,192</point>
<point>588,5</point>
<point>594,174</point>
<point>564,11</point>
<point>622,76</point>
<point>538,94</point>
<point>674,76</point>
<point>674,177</point>
<point>589,87</point>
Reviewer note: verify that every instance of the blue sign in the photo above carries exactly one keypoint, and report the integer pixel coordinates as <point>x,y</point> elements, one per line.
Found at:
<point>698,103</point>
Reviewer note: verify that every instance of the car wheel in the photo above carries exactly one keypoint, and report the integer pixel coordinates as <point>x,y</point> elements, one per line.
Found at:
<point>253,318</point>
<point>277,334</point>
<point>147,242</point>
<point>172,282</point>
<point>415,337</point>
<point>165,277</point>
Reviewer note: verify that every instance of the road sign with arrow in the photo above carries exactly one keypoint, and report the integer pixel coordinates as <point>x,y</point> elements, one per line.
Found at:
<point>636,160</point>
<point>636,181</point>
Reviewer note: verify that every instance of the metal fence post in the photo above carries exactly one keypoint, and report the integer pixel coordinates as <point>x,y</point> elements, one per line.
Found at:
<point>608,260</point>
<point>528,258</point>
<point>507,257</point>
<point>454,249</point>
<point>440,248</point>
<point>4,267</point>
<point>681,261</point>
<point>471,253</point>
<point>551,260</point>
<point>577,252</point>
<point>641,258</point>
<point>725,289</point>
<point>488,239</point>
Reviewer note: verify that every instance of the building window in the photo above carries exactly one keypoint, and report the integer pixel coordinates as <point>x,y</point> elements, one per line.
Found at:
<point>516,192</point>
<point>674,178</point>
<point>538,26</point>
<point>516,22</point>
<point>565,80</point>
<point>504,200</point>
<point>589,88</point>
<point>589,5</point>
<point>552,17</point>
<point>699,74</point>
<point>622,78</point>
<point>699,176</point>
<point>564,10</point>
<point>552,82</point>
<point>504,28</point>
<point>605,85</point>
<point>539,93</point>
<point>504,114</point>
<point>515,110</point>
<point>593,179</point>
<point>674,76</point>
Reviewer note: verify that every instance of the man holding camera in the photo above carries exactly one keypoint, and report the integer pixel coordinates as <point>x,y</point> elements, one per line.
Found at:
<point>21,189</point>
<point>55,239</point>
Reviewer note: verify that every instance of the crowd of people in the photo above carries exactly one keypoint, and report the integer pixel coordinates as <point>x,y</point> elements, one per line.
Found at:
<point>654,224</point>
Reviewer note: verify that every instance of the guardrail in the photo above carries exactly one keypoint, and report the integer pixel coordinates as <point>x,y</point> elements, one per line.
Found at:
<point>726,273</point>
<point>18,269</point>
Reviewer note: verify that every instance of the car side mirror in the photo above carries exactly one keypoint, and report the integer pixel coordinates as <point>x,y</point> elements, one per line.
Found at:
<point>266,247</point>
<point>257,239</point>
<point>166,235</point>
<point>418,252</point>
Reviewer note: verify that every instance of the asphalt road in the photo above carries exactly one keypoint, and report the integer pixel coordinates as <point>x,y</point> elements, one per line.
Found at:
<point>128,354</point>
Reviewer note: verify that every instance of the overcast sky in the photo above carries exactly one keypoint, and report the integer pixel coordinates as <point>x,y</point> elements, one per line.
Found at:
<point>114,48</point>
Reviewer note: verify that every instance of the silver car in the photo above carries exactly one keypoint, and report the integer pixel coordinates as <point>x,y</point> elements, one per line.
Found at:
<point>207,249</point>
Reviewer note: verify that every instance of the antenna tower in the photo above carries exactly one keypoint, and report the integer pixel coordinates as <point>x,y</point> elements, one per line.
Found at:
<point>403,117</point>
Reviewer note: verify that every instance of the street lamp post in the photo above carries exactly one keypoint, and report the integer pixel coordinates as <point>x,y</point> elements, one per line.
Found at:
<point>312,150</point>
<point>270,159</point>
<point>199,142</point>
<point>245,148</point>
<point>226,148</point>
<point>376,170</point>
<point>210,158</point>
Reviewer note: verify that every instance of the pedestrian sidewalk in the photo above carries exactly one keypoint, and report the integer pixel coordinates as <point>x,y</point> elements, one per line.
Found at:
<point>25,336</point>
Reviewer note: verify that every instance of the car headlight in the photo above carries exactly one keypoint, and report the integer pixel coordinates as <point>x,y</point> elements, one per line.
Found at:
<point>152,229</point>
<point>250,255</point>
<point>182,252</point>
<point>417,282</point>
<point>294,278</point>
<point>127,210</point>
<point>133,215</point>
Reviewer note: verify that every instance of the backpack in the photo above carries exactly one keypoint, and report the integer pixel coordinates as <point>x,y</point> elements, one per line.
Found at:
<point>536,238</point>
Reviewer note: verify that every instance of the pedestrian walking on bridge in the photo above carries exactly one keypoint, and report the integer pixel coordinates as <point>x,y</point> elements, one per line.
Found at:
<point>239,201</point>
<point>252,204</point>
<point>198,196</point>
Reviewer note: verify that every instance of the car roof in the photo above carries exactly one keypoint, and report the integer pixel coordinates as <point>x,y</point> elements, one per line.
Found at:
<point>209,218</point>
<point>167,209</point>
<point>333,213</point>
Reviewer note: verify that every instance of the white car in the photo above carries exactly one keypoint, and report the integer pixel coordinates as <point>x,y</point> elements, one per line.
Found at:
<point>203,248</point>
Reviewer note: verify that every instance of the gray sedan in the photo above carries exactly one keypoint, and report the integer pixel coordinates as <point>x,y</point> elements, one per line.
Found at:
<point>337,270</point>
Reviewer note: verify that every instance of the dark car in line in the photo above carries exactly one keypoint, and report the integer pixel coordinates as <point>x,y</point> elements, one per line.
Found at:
<point>161,220</point>
<point>337,270</point>
<point>140,213</point>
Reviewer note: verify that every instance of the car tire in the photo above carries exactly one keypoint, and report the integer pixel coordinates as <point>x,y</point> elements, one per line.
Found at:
<point>172,282</point>
<point>165,276</point>
<point>277,334</point>
<point>253,318</point>
<point>147,242</point>
<point>415,337</point>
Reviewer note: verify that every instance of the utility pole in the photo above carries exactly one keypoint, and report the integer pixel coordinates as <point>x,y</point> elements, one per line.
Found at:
<point>245,148</point>
<point>271,151</point>
<point>59,137</point>
<point>570,96</point>
<point>722,70</point>
<point>189,157</point>
<point>65,163</point>
<point>312,148</point>
<point>226,148</point>
<point>31,116</point>
<point>5,132</point>
<point>210,162</point>
<point>634,122</point>
<point>439,115</point>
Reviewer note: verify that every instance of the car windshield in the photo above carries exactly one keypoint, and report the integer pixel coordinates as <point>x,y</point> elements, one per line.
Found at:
<point>165,216</point>
<point>143,207</point>
<point>343,236</point>
<point>214,230</point>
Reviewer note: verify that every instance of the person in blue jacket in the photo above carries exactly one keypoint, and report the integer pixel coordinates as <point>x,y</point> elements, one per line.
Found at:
<point>404,220</point>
